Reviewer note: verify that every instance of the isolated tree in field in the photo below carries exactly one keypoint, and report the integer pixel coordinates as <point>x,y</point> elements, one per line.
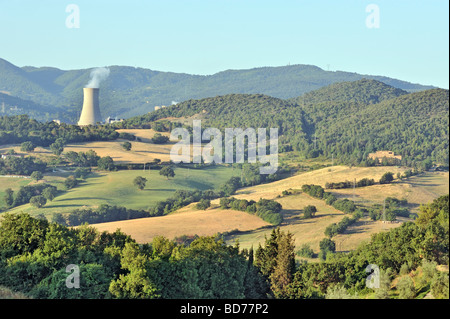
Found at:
<point>126,146</point>
<point>38,201</point>
<point>37,175</point>
<point>387,178</point>
<point>139,182</point>
<point>309,211</point>
<point>27,147</point>
<point>167,171</point>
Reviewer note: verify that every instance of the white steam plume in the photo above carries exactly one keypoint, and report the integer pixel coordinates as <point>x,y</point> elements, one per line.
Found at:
<point>97,76</point>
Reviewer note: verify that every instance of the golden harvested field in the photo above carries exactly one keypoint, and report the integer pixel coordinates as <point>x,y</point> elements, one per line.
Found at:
<point>186,221</point>
<point>252,230</point>
<point>416,190</point>
<point>309,231</point>
<point>361,231</point>
<point>143,151</point>
<point>140,152</point>
<point>317,177</point>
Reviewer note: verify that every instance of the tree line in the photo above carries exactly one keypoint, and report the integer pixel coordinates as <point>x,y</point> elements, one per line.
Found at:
<point>267,210</point>
<point>345,205</point>
<point>20,128</point>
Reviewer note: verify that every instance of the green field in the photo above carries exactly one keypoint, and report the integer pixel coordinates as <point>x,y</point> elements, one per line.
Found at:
<point>116,188</point>
<point>13,183</point>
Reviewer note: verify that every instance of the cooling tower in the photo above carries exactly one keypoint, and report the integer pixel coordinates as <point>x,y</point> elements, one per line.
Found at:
<point>90,114</point>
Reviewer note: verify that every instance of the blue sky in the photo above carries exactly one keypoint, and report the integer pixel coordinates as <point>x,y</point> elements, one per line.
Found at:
<point>208,36</point>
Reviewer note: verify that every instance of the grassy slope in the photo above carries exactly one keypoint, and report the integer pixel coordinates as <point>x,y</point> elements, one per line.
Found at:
<point>311,231</point>
<point>13,183</point>
<point>187,221</point>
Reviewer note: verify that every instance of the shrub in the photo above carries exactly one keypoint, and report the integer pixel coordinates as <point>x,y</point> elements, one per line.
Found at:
<point>305,251</point>
<point>126,146</point>
<point>160,139</point>
<point>203,204</point>
<point>405,288</point>
<point>70,182</point>
<point>387,178</point>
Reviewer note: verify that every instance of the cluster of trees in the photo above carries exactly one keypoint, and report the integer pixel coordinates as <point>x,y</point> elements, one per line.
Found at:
<point>113,265</point>
<point>386,178</point>
<point>250,176</point>
<point>158,138</point>
<point>339,228</point>
<point>392,208</point>
<point>203,204</point>
<point>345,205</point>
<point>13,165</point>
<point>37,195</point>
<point>180,199</point>
<point>148,121</point>
<point>347,184</point>
<point>267,210</point>
<point>89,159</point>
<point>104,213</point>
<point>20,128</point>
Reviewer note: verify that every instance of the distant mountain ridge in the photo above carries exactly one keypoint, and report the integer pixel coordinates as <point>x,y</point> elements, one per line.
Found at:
<point>130,91</point>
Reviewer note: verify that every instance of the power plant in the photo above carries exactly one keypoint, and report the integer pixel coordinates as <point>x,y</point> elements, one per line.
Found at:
<point>90,114</point>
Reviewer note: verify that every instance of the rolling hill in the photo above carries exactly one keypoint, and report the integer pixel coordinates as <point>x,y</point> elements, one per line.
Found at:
<point>130,91</point>
<point>347,120</point>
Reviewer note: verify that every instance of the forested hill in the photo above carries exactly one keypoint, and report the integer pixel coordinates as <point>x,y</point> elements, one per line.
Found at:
<point>130,91</point>
<point>12,105</point>
<point>363,91</point>
<point>348,126</point>
<point>413,125</point>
